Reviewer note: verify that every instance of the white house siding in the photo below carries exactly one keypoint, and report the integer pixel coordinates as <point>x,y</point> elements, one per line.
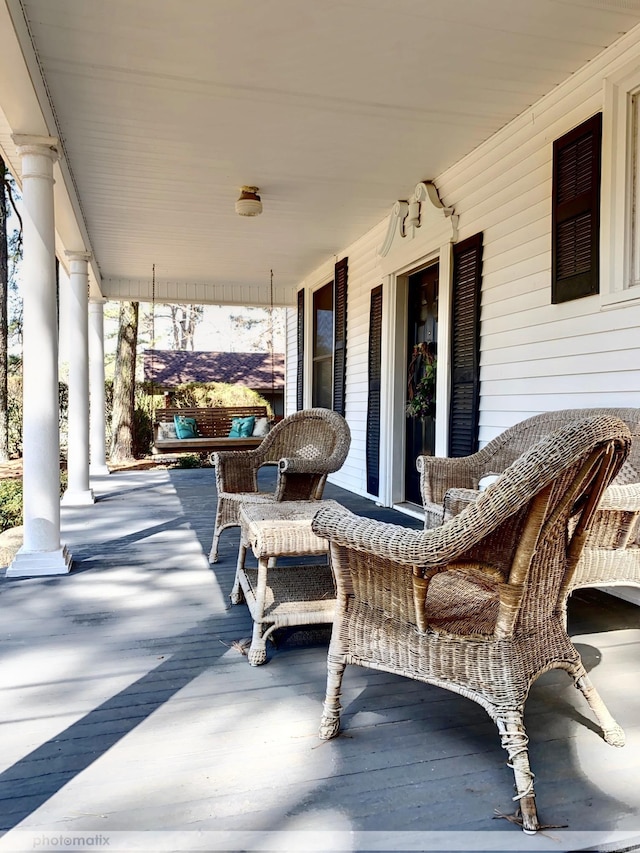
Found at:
<point>535,356</point>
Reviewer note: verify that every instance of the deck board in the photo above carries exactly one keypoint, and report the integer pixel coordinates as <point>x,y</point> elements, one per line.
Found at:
<point>127,709</point>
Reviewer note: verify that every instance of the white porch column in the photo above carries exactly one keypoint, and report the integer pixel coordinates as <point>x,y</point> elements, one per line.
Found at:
<point>78,492</point>
<point>97,420</point>
<point>42,553</point>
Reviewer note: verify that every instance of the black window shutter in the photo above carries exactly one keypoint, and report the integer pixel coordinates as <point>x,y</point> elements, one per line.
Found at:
<point>373,411</point>
<point>576,212</point>
<point>465,347</point>
<point>300,373</point>
<point>340,336</point>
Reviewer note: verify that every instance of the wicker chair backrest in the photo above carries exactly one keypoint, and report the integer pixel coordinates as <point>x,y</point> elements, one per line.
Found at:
<point>499,453</point>
<point>314,434</point>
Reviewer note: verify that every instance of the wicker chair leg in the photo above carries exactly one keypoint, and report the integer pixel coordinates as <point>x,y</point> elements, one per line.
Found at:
<point>514,740</point>
<point>330,722</point>
<point>612,732</point>
<point>237,596</point>
<point>218,527</point>
<point>226,516</point>
<point>213,553</point>
<point>257,653</point>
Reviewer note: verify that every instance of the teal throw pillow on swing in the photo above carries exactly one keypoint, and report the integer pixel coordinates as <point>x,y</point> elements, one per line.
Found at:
<point>242,427</point>
<point>185,427</point>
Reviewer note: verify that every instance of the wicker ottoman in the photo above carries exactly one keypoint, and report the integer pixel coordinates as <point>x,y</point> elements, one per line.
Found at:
<point>279,596</point>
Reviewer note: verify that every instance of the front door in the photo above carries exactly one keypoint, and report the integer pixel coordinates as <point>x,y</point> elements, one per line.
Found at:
<point>422,338</point>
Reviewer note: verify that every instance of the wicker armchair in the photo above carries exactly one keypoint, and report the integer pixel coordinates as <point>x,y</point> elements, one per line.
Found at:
<point>433,606</point>
<point>611,556</point>
<point>306,446</point>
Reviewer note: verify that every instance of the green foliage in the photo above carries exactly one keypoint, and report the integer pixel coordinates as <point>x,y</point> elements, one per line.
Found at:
<point>217,394</point>
<point>14,413</point>
<point>11,501</point>
<point>423,403</point>
<point>422,383</point>
<point>10,504</point>
<point>188,460</point>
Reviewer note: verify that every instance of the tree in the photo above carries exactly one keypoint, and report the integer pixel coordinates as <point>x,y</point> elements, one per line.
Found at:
<point>184,319</point>
<point>4,337</point>
<point>122,432</point>
<point>10,252</point>
<point>261,328</point>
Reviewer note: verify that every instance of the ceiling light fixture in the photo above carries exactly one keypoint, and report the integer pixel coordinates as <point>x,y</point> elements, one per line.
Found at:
<point>249,203</point>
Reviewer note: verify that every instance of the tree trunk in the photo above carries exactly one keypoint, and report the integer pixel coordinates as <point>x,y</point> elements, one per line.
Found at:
<point>122,441</point>
<point>4,296</point>
<point>184,319</point>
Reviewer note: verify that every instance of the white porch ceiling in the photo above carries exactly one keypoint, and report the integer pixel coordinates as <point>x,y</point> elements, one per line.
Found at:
<point>335,109</point>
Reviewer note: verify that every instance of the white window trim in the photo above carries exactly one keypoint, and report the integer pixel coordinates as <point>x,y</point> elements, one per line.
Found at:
<point>323,275</point>
<point>312,292</point>
<point>617,284</point>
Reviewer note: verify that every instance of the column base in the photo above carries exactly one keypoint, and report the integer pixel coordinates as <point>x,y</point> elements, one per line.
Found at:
<point>78,498</point>
<point>32,564</point>
<point>99,470</point>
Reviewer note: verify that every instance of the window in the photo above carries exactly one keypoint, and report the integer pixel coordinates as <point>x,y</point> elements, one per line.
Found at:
<point>322,383</point>
<point>576,212</point>
<point>620,267</point>
<point>328,343</point>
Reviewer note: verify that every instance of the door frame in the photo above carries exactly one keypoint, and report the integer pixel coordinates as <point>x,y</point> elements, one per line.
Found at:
<point>393,379</point>
<point>420,232</point>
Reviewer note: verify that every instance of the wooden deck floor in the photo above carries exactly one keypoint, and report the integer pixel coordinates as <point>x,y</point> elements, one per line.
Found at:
<point>129,717</point>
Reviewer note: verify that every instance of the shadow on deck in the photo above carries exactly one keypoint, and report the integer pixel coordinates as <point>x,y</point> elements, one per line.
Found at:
<point>130,714</point>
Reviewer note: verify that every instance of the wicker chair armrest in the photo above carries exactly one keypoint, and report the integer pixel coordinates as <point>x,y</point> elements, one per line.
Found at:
<point>437,474</point>
<point>429,548</point>
<point>457,500</point>
<point>300,465</point>
<point>236,470</point>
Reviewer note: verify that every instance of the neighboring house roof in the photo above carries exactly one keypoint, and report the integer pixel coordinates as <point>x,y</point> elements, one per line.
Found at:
<point>170,368</point>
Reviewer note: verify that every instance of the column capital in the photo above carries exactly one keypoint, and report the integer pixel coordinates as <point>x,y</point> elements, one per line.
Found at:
<point>79,255</point>
<point>97,300</point>
<point>29,143</point>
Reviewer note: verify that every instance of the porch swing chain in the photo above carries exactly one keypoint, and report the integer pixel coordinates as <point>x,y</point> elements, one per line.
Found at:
<point>273,382</point>
<point>153,343</point>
